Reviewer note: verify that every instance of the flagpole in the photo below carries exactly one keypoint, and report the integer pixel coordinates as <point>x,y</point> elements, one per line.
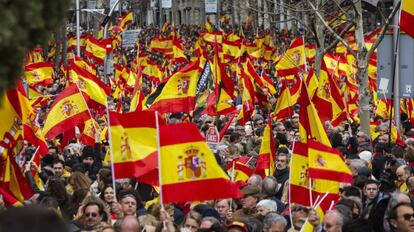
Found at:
<point>159,159</point>
<point>111,154</point>
<point>289,190</point>
<point>232,180</point>
<point>87,107</point>
<point>310,192</point>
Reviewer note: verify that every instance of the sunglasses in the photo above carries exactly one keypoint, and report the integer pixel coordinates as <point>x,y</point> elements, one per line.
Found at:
<point>408,216</point>
<point>91,215</point>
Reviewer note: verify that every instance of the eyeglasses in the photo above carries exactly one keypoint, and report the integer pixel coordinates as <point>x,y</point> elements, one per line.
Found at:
<point>91,215</point>
<point>407,216</point>
<point>209,122</point>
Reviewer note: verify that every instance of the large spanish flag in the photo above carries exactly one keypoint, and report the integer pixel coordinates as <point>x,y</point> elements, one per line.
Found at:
<point>294,60</point>
<point>134,145</point>
<point>327,163</point>
<point>303,189</point>
<point>68,111</point>
<point>177,93</point>
<point>90,84</point>
<point>40,73</point>
<point>407,17</point>
<point>189,170</point>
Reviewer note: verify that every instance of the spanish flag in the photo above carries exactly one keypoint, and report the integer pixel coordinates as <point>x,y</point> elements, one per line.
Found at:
<point>312,82</point>
<point>407,17</point>
<point>265,165</point>
<point>294,60</point>
<point>134,145</point>
<point>177,93</point>
<point>97,49</point>
<point>240,172</point>
<point>68,111</point>
<point>164,45</point>
<point>40,73</point>
<point>11,176</point>
<point>284,105</point>
<point>189,170</point>
<point>310,125</point>
<point>137,94</point>
<point>9,199</point>
<point>301,185</point>
<point>90,84</point>
<point>81,63</point>
<point>327,163</point>
<point>88,135</point>
<point>15,108</point>
<point>126,19</point>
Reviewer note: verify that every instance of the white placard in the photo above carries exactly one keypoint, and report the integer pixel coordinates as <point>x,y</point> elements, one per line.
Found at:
<point>211,6</point>
<point>129,38</point>
<point>383,85</point>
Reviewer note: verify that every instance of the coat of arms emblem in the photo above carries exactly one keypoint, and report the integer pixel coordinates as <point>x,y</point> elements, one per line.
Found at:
<point>183,85</point>
<point>69,108</point>
<point>191,165</point>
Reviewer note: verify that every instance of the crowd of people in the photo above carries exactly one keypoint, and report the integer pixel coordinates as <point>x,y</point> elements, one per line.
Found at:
<point>79,194</point>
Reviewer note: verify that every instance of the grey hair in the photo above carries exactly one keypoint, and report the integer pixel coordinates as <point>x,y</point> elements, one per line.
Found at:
<point>269,185</point>
<point>273,218</point>
<point>357,164</point>
<point>340,221</point>
<point>257,178</point>
<point>268,204</point>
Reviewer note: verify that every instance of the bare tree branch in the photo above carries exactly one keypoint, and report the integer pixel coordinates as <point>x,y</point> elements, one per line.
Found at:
<point>351,51</point>
<point>335,42</point>
<point>292,17</point>
<point>383,30</point>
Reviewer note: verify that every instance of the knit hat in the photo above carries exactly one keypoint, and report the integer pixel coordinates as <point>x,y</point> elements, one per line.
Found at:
<point>365,155</point>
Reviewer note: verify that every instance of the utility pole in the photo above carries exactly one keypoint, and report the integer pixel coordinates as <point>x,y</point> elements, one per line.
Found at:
<point>77,28</point>
<point>396,81</point>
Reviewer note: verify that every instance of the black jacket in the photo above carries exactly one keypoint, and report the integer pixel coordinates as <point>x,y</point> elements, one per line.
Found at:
<point>281,176</point>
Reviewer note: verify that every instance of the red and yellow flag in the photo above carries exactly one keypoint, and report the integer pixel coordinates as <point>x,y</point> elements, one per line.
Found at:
<point>126,19</point>
<point>164,45</point>
<point>40,73</point>
<point>284,105</point>
<point>177,93</point>
<point>310,125</point>
<point>15,108</point>
<point>189,169</point>
<point>266,160</point>
<point>241,171</point>
<point>97,49</point>
<point>327,163</point>
<point>90,84</point>
<point>68,111</point>
<point>407,17</point>
<point>294,60</point>
<point>134,145</point>
<point>301,186</point>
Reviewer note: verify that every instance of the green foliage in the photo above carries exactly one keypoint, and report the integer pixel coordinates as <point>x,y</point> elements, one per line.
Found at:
<point>23,25</point>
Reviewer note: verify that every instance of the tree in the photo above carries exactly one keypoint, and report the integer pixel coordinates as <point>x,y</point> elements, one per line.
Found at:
<point>316,23</point>
<point>25,24</point>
